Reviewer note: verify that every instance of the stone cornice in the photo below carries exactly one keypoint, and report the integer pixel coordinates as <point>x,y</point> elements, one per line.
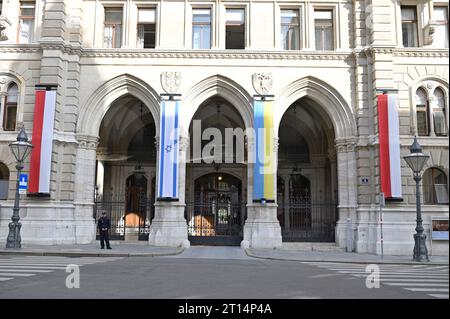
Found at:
<point>19,48</point>
<point>222,54</point>
<point>422,53</point>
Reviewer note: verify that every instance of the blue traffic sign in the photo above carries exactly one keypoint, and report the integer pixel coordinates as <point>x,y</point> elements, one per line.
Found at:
<point>23,183</point>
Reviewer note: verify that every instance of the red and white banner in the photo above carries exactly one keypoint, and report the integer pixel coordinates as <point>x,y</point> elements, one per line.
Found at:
<point>42,139</point>
<point>388,128</point>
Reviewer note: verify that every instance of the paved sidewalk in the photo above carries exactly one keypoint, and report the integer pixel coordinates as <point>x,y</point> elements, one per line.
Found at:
<point>119,249</point>
<point>338,256</point>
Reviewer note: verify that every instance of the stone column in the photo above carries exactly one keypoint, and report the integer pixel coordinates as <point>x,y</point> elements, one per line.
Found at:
<point>169,227</point>
<point>347,187</point>
<point>262,228</point>
<point>84,188</point>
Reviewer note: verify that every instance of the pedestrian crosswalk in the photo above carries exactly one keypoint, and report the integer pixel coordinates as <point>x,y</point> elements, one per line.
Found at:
<point>428,279</point>
<point>29,266</point>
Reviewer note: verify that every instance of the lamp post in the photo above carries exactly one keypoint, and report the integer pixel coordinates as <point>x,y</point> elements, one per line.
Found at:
<point>416,161</point>
<point>20,149</point>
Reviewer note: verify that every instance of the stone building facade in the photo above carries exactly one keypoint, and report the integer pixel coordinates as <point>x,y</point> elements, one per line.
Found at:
<point>323,64</point>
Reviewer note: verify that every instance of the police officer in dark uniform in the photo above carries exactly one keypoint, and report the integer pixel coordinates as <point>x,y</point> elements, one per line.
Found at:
<point>104,225</point>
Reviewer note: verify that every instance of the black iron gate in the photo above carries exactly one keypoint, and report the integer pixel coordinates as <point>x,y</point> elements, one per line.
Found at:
<point>125,225</point>
<point>304,221</point>
<point>215,223</point>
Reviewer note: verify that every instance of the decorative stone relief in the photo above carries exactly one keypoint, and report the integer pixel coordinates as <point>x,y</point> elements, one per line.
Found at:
<point>170,82</point>
<point>262,82</point>
<point>4,23</point>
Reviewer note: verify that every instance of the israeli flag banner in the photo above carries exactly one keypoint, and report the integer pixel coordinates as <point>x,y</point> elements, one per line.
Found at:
<point>168,151</point>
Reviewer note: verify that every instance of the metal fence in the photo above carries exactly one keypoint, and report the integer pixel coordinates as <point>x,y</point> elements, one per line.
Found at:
<point>215,223</point>
<point>304,221</point>
<point>125,224</point>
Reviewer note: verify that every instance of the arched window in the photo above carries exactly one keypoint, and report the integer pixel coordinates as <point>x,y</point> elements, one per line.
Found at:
<point>435,187</point>
<point>10,113</point>
<point>440,127</point>
<point>422,112</point>
<point>4,181</point>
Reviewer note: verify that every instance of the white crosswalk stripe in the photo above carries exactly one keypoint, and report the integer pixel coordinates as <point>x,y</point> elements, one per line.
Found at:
<point>29,266</point>
<point>428,279</point>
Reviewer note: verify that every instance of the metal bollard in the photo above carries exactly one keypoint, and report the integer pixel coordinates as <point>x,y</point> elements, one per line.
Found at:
<point>349,235</point>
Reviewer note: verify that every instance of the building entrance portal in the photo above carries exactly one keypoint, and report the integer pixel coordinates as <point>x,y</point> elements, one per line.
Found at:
<point>217,215</point>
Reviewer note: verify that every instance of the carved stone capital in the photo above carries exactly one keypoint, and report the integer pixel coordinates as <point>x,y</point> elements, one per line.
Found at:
<point>87,142</point>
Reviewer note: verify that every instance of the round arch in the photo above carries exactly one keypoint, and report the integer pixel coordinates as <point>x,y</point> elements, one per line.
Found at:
<point>95,108</point>
<point>334,105</point>
<point>225,88</point>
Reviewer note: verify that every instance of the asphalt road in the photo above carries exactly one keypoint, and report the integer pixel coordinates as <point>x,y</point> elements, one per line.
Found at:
<point>220,275</point>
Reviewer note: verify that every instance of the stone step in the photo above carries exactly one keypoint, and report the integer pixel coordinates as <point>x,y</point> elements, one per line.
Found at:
<point>312,247</point>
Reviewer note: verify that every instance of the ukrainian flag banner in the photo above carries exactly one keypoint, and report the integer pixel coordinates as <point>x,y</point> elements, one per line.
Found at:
<point>265,159</point>
<point>168,151</point>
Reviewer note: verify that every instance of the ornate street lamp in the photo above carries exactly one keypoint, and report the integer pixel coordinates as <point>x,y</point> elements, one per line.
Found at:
<point>20,149</point>
<point>416,161</point>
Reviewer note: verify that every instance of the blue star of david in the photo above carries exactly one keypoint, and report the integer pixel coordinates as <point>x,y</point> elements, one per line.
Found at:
<point>168,148</point>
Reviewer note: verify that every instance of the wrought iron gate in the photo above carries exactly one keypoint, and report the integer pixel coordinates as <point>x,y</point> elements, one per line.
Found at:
<point>115,206</point>
<point>304,221</point>
<point>215,223</point>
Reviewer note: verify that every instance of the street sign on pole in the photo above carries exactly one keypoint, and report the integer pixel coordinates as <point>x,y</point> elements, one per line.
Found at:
<point>23,184</point>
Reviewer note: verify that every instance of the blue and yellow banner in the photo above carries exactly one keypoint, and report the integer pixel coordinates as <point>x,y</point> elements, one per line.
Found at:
<point>168,151</point>
<point>265,161</point>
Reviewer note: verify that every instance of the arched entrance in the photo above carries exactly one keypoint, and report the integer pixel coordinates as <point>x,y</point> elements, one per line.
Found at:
<point>216,175</point>
<point>126,161</point>
<point>307,207</point>
<point>216,217</point>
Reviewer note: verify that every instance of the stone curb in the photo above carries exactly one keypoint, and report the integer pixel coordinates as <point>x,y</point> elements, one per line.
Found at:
<point>348,261</point>
<point>88,254</point>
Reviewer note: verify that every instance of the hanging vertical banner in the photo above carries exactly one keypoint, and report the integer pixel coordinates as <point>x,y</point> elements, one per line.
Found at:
<point>388,128</point>
<point>168,151</point>
<point>265,161</point>
<point>42,140</point>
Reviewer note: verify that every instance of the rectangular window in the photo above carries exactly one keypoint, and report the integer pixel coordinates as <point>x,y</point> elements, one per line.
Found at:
<point>201,29</point>
<point>439,123</point>
<point>146,29</point>
<point>409,26</point>
<point>9,120</point>
<point>112,33</point>
<point>422,120</point>
<point>26,22</point>
<point>323,25</point>
<point>235,29</point>
<point>290,29</point>
<point>440,36</point>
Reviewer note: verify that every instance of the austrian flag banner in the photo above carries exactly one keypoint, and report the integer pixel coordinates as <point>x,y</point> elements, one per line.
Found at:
<point>265,161</point>
<point>42,139</point>
<point>388,127</point>
<point>168,151</point>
